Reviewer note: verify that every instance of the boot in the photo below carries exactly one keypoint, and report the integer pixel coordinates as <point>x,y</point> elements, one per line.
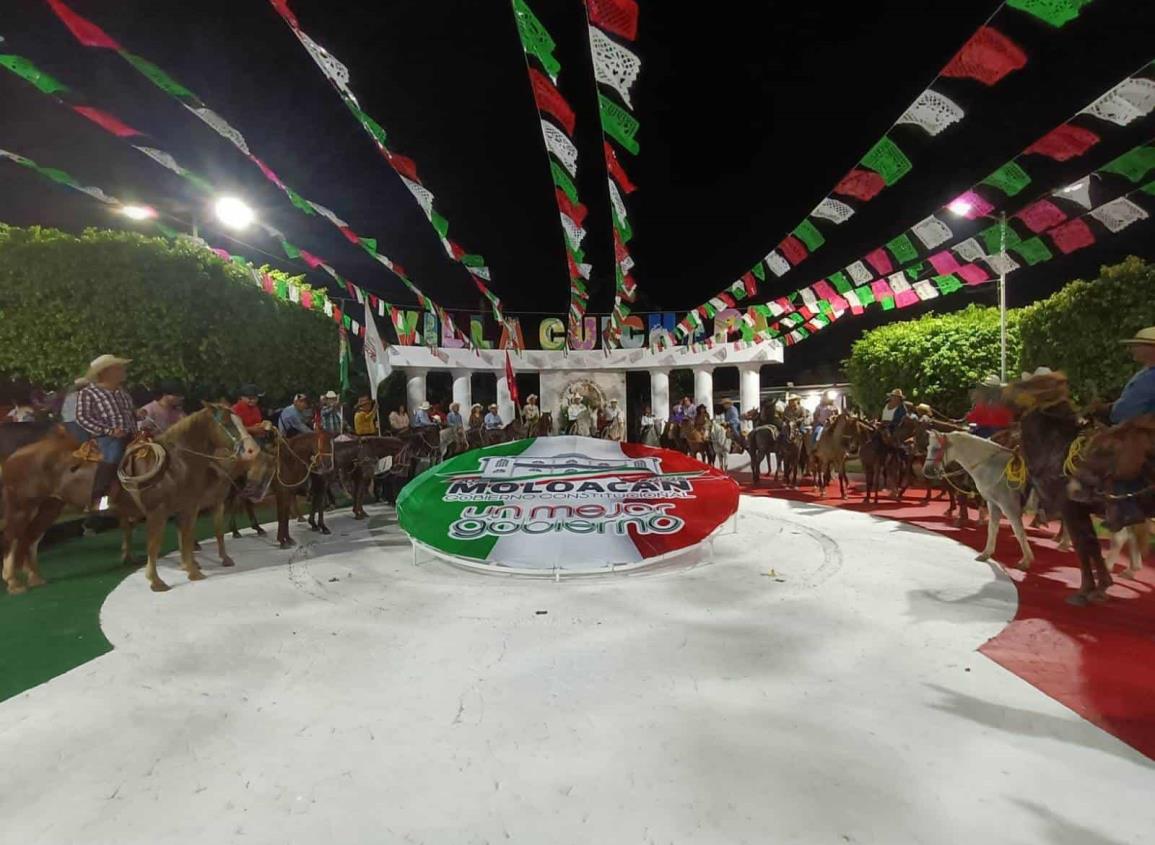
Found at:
<point>104,487</point>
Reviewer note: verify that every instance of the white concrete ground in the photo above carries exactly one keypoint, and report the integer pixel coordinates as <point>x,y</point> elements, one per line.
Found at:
<point>338,694</point>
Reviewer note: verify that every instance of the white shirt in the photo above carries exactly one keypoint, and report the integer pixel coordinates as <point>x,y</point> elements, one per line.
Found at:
<point>888,413</point>
<point>648,419</point>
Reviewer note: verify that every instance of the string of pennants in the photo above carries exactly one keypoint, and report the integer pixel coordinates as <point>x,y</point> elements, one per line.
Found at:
<point>404,166</point>
<point>616,69</point>
<point>1131,99</point>
<point>987,57</point>
<point>70,98</point>
<point>90,35</point>
<point>1050,225</point>
<point>557,133</point>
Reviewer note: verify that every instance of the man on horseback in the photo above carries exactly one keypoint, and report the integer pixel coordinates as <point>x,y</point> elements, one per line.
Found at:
<point>332,414</point>
<point>821,418</point>
<point>493,419</point>
<point>1138,396</point>
<point>421,418</point>
<point>733,422</point>
<point>162,412</point>
<point>365,417</point>
<point>453,418</point>
<point>248,409</point>
<point>989,415</point>
<point>531,413</point>
<point>105,412</point>
<point>293,420</point>
<point>615,422</point>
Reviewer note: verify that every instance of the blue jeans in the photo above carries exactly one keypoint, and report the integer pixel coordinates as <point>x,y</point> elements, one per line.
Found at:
<point>76,431</point>
<point>111,448</point>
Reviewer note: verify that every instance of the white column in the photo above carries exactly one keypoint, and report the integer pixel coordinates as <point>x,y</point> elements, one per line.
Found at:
<point>660,394</point>
<point>704,388</point>
<point>414,387</point>
<point>750,386</point>
<point>463,390</point>
<point>504,400</point>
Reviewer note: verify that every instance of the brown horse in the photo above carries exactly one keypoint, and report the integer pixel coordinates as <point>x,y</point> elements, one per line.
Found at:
<point>197,457</point>
<point>1050,426</point>
<point>696,435</point>
<point>352,465</point>
<point>842,437</point>
<point>792,455</point>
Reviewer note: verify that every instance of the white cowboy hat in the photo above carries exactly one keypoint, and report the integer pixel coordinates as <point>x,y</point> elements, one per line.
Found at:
<point>493,407</point>
<point>790,397</point>
<point>613,401</point>
<point>330,395</point>
<point>727,401</point>
<point>102,363</point>
<point>1143,336</point>
<point>424,406</point>
<point>475,405</point>
<point>1039,371</point>
<point>531,396</point>
<point>992,381</point>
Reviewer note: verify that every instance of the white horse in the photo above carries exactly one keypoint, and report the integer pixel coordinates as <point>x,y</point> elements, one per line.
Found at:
<point>650,436</point>
<point>615,430</point>
<point>583,425</point>
<point>986,462</point>
<point>720,441</point>
<point>452,437</point>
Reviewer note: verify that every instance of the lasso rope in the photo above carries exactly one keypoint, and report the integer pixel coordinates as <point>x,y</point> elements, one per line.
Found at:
<point>1074,453</point>
<point>1015,471</point>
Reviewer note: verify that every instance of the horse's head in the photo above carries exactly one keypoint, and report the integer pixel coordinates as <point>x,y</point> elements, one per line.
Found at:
<point>938,444</point>
<point>228,432</point>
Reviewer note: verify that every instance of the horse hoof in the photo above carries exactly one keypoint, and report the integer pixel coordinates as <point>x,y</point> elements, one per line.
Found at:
<point>236,535</point>
<point>1079,599</point>
<point>984,557</point>
<point>228,561</point>
<point>159,587</point>
<point>326,531</point>
<point>36,581</point>
<point>196,575</point>
<point>196,547</point>
<point>1024,565</point>
<point>1098,596</point>
<point>260,531</point>
<point>288,544</point>
<point>17,589</point>
<point>359,515</point>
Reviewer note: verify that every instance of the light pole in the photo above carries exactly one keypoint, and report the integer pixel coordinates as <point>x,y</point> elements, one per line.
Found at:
<point>963,208</point>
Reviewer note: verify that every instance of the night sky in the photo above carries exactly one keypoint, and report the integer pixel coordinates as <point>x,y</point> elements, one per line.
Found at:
<point>750,113</point>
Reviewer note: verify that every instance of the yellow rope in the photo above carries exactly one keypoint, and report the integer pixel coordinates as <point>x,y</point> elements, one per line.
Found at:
<point>1016,471</point>
<point>1074,453</point>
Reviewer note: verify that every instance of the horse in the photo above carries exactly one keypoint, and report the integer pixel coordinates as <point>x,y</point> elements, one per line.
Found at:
<point>987,463</point>
<point>761,440</point>
<point>719,443</point>
<point>542,426</point>
<point>452,441</point>
<point>951,478</point>
<point>696,435</point>
<point>352,463</point>
<point>791,452</point>
<point>188,462</point>
<point>295,459</point>
<point>615,430</point>
<point>1050,430</point>
<point>649,436</point>
<point>841,436</point>
<point>583,425</point>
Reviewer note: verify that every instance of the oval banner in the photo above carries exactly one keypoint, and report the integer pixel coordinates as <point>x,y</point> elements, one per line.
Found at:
<point>565,503</point>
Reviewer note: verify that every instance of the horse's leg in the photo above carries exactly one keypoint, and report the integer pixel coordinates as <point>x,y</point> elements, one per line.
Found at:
<point>231,503</point>
<point>16,524</point>
<point>284,507</point>
<point>219,530</point>
<point>318,501</point>
<point>186,523</point>
<point>155,524</point>
<point>1015,517</point>
<point>43,520</point>
<point>126,526</point>
<point>1062,537</point>
<point>252,514</point>
<point>1078,522</point>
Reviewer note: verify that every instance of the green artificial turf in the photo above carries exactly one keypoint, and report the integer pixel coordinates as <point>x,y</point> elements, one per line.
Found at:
<point>51,629</point>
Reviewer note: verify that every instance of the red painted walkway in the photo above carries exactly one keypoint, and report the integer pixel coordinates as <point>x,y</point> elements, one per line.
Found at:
<point>1097,660</point>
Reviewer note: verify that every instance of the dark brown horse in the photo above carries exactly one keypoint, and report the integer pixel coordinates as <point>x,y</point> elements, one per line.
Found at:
<point>762,440</point>
<point>191,467</point>
<point>352,465</point>
<point>296,460</point>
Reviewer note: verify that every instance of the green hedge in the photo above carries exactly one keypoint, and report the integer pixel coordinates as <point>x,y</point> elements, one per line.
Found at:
<point>1076,329</point>
<point>176,309</point>
<point>934,359</point>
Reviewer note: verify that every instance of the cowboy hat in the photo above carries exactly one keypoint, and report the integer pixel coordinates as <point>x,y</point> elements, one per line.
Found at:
<point>531,396</point>
<point>991,381</point>
<point>613,401</point>
<point>922,408</point>
<point>424,406</point>
<point>727,401</point>
<point>896,394</point>
<point>1143,336</point>
<point>330,395</point>
<point>493,407</point>
<point>249,390</point>
<point>102,363</point>
<point>475,405</point>
<point>1039,371</point>
<point>793,397</point>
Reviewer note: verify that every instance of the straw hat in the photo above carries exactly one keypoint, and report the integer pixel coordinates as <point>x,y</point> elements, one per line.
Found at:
<point>330,395</point>
<point>102,363</point>
<point>424,406</point>
<point>992,381</point>
<point>727,401</point>
<point>1039,371</point>
<point>493,407</point>
<point>476,406</point>
<point>793,397</point>
<point>1141,337</point>
<point>531,396</point>
<point>896,394</point>
<point>922,408</point>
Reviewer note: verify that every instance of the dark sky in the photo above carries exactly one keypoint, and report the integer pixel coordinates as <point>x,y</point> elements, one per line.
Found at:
<point>750,112</point>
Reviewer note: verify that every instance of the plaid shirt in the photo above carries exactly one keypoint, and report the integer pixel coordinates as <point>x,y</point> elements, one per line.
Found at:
<point>99,410</point>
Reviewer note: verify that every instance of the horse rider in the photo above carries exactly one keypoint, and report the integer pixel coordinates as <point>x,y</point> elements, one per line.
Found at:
<point>894,411</point>
<point>421,418</point>
<point>106,413</point>
<point>163,412</point>
<point>531,413</point>
<point>1138,396</point>
<point>399,420</point>
<point>248,410</point>
<point>646,423</point>
<point>332,414</point>
<point>293,417</point>
<point>493,419</point>
<point>365,417</point>
<point>988,415</point>
<point>476,418</point>
<point>453,418</point>
<point>702,418</point>
<point>923,413</point>
<point>821,417</point>
<point>615,417</point>
<point>733,421</point>
<point>794,412</point>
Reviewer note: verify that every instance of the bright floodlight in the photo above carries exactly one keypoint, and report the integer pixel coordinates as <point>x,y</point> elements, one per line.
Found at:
<point>234,213</point>
<point>832,395</point>
<point>138,212</point>
<point>960,207</point>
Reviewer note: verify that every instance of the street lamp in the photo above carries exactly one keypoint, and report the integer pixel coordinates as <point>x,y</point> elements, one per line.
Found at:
<point>233,213</point>
<point>963,208</point>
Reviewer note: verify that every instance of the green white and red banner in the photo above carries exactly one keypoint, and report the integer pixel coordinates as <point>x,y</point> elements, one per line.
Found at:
<point>569,503</point>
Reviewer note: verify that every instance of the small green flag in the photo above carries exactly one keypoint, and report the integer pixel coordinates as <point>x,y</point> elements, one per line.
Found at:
<point>808,233</point>
<point>759,271</point>
<point>1010,179</point>
<point>159,78</point>
<point>947,284</point>
<point>992,238</point>
<point>30,73</point>
<point>1054,12</point>
<point>902,249</point>
<point>1134,164</point>
<point>299,201</point>
<point>371,126</point>
<point>887,160</point>
<point>471,260</point>
<point>865,294</point>
<point>290,250</point>
<point>1033,251</point>
<point>840,282</point>
<point>618,123</point>
<point>916,270</point>
<point>368,244</point>
<point>534,37</point>
<point>439,223</point>
<point>562,180</point>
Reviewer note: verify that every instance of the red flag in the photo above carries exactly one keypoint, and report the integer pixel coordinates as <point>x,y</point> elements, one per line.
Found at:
<point>511,381</point>
<point>107,122</point>
<point>85,31</point>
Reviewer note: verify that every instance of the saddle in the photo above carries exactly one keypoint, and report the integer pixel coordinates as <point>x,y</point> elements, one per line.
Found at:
<point>89,452</point>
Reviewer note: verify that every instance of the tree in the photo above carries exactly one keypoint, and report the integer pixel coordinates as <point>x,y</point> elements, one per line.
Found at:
<point>175,308</point>
<point>937,359</point>
<point>1076,329</point>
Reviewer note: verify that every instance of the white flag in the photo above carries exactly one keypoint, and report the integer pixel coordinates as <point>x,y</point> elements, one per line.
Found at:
<point>376,355</point>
